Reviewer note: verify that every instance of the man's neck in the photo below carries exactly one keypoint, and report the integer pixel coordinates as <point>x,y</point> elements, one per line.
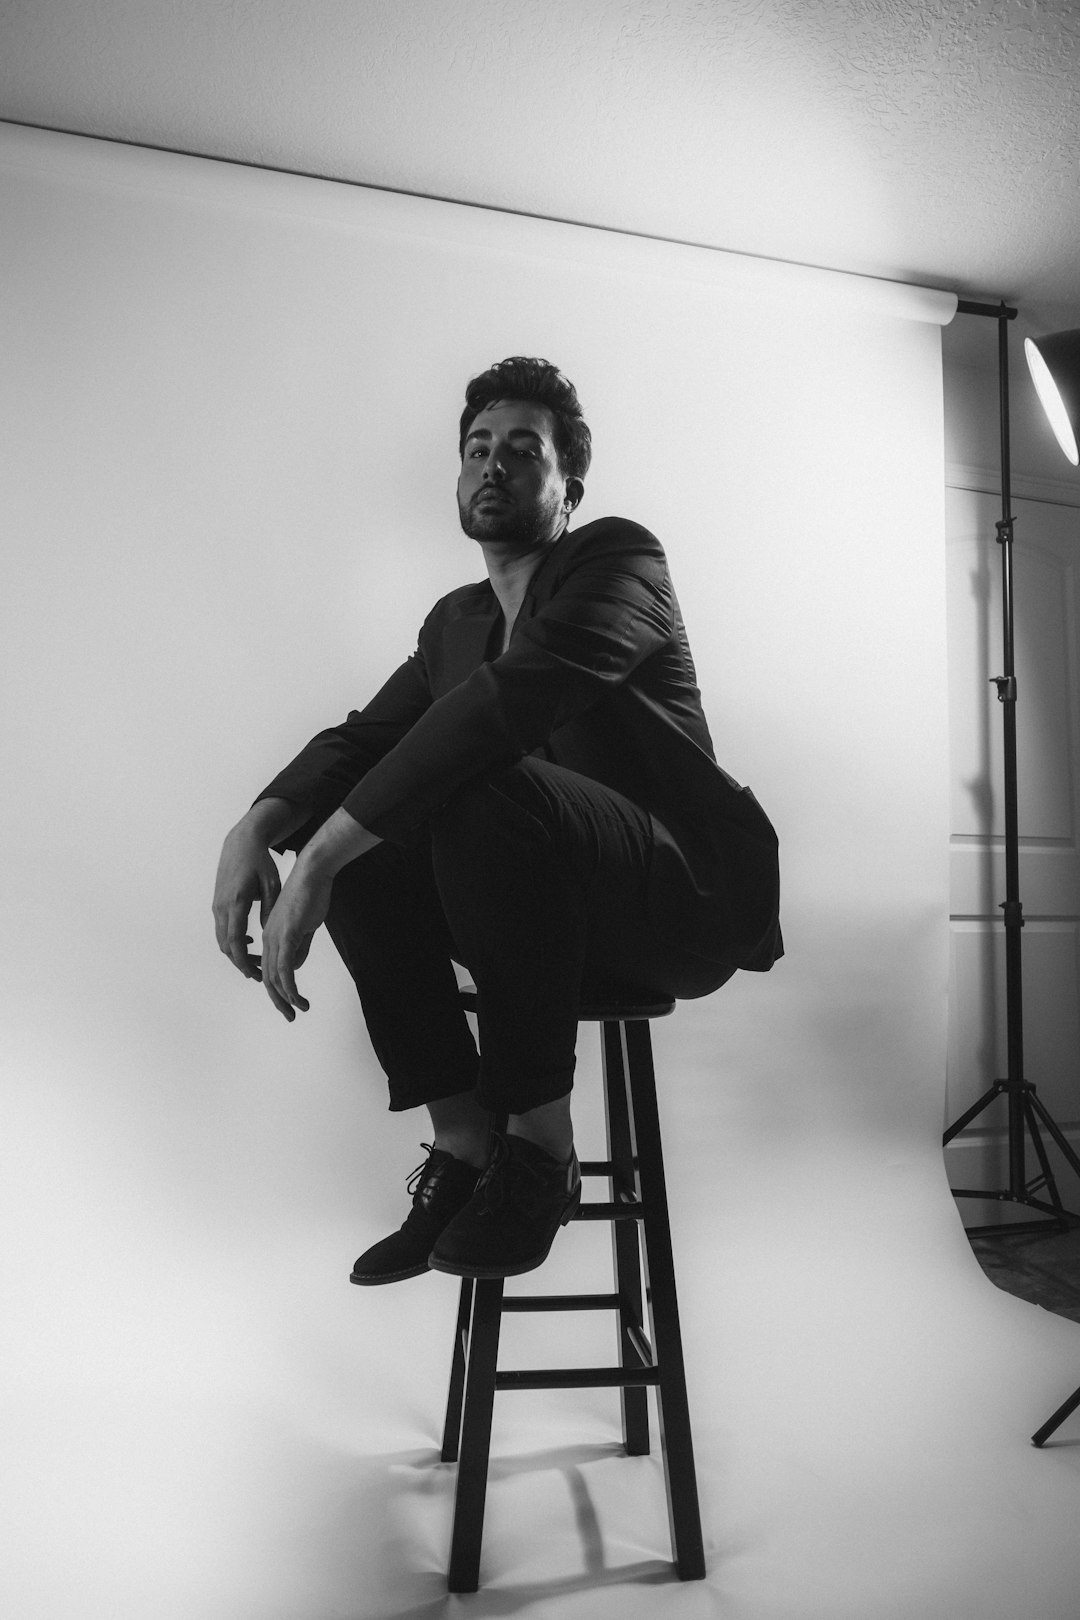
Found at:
<point>510,570</point>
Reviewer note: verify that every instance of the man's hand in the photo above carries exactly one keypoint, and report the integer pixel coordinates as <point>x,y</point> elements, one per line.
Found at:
<point>299,911</point>
<point>289,916</point>
<point>302,906</point>
<point>246,872</point>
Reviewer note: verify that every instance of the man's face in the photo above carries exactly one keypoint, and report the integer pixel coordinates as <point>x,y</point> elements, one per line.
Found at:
<point>510,489</point>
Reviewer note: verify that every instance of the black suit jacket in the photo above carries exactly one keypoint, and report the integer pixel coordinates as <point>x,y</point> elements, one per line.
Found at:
<point>598,677</point>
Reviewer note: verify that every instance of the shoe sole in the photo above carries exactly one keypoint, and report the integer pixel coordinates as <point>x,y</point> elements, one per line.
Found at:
<point>389,1277</point>
<point>490,1273</point>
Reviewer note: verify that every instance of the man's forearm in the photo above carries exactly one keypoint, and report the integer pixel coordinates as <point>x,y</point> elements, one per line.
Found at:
<point>274,819</point>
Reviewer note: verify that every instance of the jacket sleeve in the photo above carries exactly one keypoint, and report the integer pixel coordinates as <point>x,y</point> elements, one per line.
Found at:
<point>322,774</point>
<point>610,607</point>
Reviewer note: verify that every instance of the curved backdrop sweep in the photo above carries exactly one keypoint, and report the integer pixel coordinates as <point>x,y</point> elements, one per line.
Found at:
<point>229,404</point>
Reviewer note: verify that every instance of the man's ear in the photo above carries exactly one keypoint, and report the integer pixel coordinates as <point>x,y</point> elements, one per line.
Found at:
<point>575,489</point>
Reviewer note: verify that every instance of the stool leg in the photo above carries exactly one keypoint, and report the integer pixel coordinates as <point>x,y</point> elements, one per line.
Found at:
<point>451,1439</point>
<point>483,1354</point>
<point>625,1244</point>
<point>675,1436</point>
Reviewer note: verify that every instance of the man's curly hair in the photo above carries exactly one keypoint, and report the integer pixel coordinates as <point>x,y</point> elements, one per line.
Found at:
<point>524,378</point>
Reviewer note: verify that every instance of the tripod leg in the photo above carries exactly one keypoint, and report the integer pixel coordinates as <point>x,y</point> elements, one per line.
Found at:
<point>1043,1434</point>
<point>976,1108</point>
<point>1031,1119</point>
<point>1062,1141</point>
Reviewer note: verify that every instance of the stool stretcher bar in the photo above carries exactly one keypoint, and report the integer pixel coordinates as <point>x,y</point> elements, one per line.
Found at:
<point>578,1378</point>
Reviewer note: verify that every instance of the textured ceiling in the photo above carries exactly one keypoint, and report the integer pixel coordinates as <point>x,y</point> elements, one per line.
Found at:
<point>915,139</point>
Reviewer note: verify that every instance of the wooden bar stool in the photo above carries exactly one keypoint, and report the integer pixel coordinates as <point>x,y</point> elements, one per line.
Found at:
<point>644,1280</point>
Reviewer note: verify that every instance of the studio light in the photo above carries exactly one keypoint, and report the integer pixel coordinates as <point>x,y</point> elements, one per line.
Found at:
<point>1054,363</point>
<point>1027,1115</point>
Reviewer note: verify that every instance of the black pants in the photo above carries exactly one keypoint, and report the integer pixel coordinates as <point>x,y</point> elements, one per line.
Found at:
<point>534,879</point>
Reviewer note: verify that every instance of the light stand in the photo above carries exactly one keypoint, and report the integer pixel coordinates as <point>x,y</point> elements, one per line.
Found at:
<point>1026,1112</point>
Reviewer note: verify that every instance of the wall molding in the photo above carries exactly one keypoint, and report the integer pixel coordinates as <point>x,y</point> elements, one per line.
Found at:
<point>987,481</point>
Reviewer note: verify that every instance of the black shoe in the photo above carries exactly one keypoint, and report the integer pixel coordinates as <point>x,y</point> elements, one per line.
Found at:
<point>509,1224</point>
<point>440,1188</point>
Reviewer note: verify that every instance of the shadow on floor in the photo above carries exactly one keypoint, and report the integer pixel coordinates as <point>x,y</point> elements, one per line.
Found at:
<point>570,1565</point>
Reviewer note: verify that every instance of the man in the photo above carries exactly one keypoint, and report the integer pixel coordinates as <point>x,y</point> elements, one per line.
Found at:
<point>533,794</point>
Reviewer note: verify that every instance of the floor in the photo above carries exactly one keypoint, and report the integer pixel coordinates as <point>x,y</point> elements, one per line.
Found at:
<point>248,1438</point>
<point>1041,1267</point>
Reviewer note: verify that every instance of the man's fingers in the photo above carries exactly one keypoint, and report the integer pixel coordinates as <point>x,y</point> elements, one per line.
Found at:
<point>279,1001</point>
<point>225,929</point>
<point>278,964</point>
<point>285,984</point>
<point>269,979</point>
<point>236,944</point>
<point>252,963</point>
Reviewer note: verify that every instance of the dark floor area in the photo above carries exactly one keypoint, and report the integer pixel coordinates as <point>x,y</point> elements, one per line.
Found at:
<point>1041,1267</point>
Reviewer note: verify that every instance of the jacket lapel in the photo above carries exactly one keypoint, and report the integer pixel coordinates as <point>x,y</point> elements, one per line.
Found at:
<point>463,645</point>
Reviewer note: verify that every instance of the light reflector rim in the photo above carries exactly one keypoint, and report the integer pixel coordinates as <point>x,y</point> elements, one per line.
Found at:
<point>1052,402</point>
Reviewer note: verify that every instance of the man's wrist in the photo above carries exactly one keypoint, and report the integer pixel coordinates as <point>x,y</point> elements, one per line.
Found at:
<point>339,840</point>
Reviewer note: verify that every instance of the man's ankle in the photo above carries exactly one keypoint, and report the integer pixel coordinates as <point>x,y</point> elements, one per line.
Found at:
<point>555,1137</point>
<point>466,1146</point>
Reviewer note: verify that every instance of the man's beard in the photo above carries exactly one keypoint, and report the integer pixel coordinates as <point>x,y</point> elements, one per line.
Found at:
<point>508,524</point>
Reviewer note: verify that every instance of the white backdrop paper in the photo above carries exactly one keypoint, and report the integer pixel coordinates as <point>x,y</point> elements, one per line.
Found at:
<point>229,424</point>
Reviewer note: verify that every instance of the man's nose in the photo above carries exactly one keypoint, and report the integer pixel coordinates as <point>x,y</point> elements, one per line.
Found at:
<point>494,467</point>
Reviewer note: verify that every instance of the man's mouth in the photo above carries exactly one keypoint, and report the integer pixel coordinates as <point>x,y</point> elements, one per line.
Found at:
<point>491,496</point>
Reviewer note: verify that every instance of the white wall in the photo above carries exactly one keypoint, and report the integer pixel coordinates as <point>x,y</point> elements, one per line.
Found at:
<point>229,425</point>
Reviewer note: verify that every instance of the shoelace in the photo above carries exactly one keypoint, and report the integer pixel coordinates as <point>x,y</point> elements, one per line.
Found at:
<point>492,1184</point>
<point>416,1176</point>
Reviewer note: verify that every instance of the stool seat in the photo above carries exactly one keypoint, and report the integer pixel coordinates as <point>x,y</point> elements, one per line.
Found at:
<point>605,1004</point>
<point>644,1278</point>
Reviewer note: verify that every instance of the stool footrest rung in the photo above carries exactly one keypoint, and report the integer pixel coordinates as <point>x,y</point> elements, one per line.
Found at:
<point>577,1378</point>
<point>560,1302</point>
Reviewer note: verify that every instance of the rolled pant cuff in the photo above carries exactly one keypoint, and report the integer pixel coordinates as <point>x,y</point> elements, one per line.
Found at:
<point>417,1092</point>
